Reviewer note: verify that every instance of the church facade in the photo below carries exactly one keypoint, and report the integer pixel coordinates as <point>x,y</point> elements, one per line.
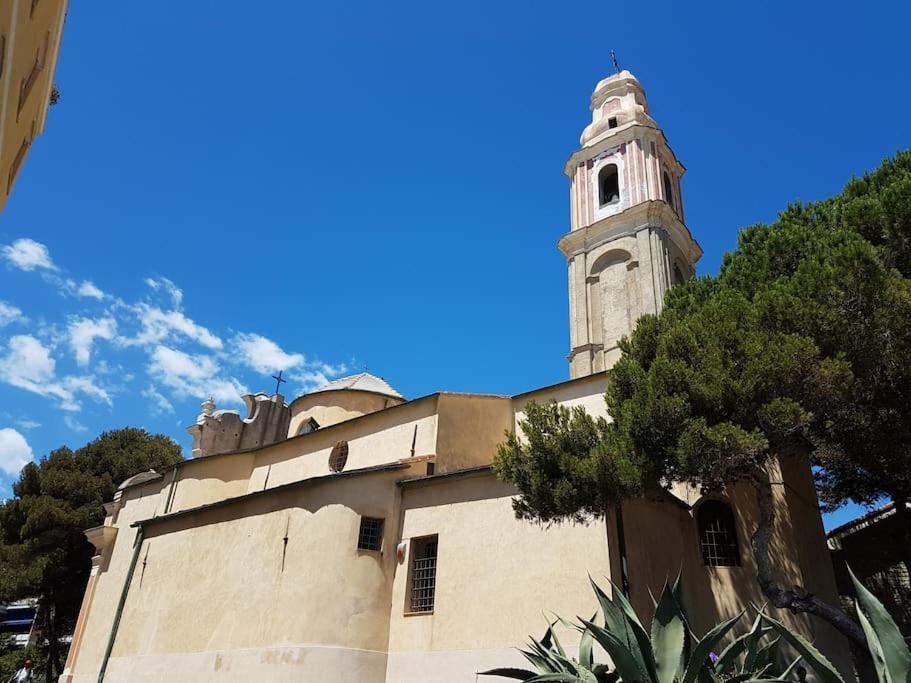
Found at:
<point>355,535</point>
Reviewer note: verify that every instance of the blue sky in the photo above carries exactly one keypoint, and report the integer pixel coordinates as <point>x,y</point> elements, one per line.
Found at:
<point>324,187</point>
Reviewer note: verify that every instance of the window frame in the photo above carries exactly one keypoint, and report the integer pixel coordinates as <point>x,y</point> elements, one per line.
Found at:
<point>668,187</point>
<point>709,547</point>
<point>374,535</point>
<point>417,544</point>
<point>616,175</point>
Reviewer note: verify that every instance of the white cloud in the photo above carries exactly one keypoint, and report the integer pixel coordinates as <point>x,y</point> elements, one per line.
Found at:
<point>27,254</point>
<point>159,325</point>
<point>160,404</point>
<point>264,355</point>
<point>28,365</point>
<point>193,375</point>
<point>88,289</point>
<point>74,424</point>
<point>163,283</point>
<point>9,314</point>
<point>15,453</point>
<point>87,386</point>
<point>83,332</point>
<point>28,424</point>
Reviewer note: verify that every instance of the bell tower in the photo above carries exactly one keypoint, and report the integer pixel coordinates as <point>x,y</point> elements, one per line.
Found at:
<point>628,243</point>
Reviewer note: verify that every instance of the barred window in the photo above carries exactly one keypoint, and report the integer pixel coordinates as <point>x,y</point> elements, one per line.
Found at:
<point>338,458</point>
<point>423,574</point>
<point>718,534</point>
<point>370,536</point>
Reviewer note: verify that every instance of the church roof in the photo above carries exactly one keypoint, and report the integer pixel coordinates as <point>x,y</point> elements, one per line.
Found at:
<point>363,381</point>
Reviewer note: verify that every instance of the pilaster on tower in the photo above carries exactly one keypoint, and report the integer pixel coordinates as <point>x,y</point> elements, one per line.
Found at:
<point>628,243</point>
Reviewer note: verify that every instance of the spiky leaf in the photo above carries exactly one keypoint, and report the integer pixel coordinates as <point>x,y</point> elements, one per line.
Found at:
<point>890,653</point>
<point>824,669</point>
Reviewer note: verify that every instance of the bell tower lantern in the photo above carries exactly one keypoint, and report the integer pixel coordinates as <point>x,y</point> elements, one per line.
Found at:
<point>628,242</point>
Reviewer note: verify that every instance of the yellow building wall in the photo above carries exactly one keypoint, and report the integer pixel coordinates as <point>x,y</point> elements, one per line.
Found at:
<point>30,34</point>
<point>219,595</point>
<point>373,439</point>
<point>496,577</point>
<point>469,427</point>
<point>139,502</point>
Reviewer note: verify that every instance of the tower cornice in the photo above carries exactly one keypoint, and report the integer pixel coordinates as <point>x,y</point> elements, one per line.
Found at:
<point>651,214</point>
<point>617,136</point>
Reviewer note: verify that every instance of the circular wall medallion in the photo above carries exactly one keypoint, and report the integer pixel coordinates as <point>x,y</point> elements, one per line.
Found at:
<point>339,456</point>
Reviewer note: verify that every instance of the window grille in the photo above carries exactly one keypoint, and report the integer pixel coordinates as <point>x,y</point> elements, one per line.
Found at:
<point>718,534</point>
<point>423,573</point>
<point>339,456</point>
<point>371,534</point>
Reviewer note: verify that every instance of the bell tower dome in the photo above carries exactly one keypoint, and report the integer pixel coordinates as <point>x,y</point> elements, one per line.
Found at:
<point>628,243</point>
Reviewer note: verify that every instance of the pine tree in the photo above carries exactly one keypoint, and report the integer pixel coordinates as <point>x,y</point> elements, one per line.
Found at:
<point>43,551</point>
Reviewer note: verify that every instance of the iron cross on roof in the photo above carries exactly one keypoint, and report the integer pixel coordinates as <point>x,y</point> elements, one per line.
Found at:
<point>613,57</point>
<point>278,381</point>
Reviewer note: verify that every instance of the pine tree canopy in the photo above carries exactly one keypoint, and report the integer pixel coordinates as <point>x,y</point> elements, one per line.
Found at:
<point>43,551</point>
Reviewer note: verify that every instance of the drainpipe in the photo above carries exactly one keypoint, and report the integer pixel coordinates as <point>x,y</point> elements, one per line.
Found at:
<point>137,545</point>
<point>621,547</point>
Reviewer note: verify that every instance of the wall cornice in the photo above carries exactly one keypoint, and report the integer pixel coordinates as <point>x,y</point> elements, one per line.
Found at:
<point>651,214</point>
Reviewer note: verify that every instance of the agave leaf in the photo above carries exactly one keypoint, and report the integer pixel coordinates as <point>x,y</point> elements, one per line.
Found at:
<point>646,652</point>
<point>668,636</point>
<point>728,656</point>
<point>586,657</point>
<point>541,663</point>
<point>787,672</point>
<point>704,647</point>
<point>752,644</point>
<point>813,657</point>
<point>510,672</point>
<point>893,659</point>
<point>617,622</point>
<point>765,657</point>
<point>561,677</point>
<point>556,641</point>
<point>625,662</point>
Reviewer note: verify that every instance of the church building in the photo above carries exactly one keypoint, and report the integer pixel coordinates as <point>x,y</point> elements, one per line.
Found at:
<point>354,534</point>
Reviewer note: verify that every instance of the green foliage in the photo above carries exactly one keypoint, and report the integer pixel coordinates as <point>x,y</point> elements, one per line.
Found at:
<point>12,658</point>
<point>43,552</point>
<point>669,652</point>
<point>801,344</point>
<point>552,663</point>
<point>560,466</point>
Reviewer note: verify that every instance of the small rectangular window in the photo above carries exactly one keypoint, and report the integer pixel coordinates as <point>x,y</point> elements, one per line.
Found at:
<point>431,468</point>
<point>612,122</point>
<point>423,583</point>
<point>370,536</point>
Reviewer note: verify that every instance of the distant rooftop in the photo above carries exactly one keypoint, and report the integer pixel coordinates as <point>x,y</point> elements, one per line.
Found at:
<point>363,381</point>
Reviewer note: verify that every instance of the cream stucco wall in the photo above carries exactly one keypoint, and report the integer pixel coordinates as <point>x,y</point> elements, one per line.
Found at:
<point>209,599</point>
<point>219,593</point>
<point>496,576</point>
<point>331,407</point>
<point>30,36</point>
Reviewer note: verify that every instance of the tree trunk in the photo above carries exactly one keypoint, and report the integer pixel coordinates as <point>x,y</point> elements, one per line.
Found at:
<point>903,531</point>
<point>53,646</point>
<point>795,599</point>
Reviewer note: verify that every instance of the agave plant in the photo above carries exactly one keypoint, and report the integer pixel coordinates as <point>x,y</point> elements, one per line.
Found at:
<point>669,652</point>
<point>552,663</point>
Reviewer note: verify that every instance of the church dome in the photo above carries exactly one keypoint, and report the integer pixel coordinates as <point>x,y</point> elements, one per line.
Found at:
<point>339,400</point>
<point>363,381</point>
